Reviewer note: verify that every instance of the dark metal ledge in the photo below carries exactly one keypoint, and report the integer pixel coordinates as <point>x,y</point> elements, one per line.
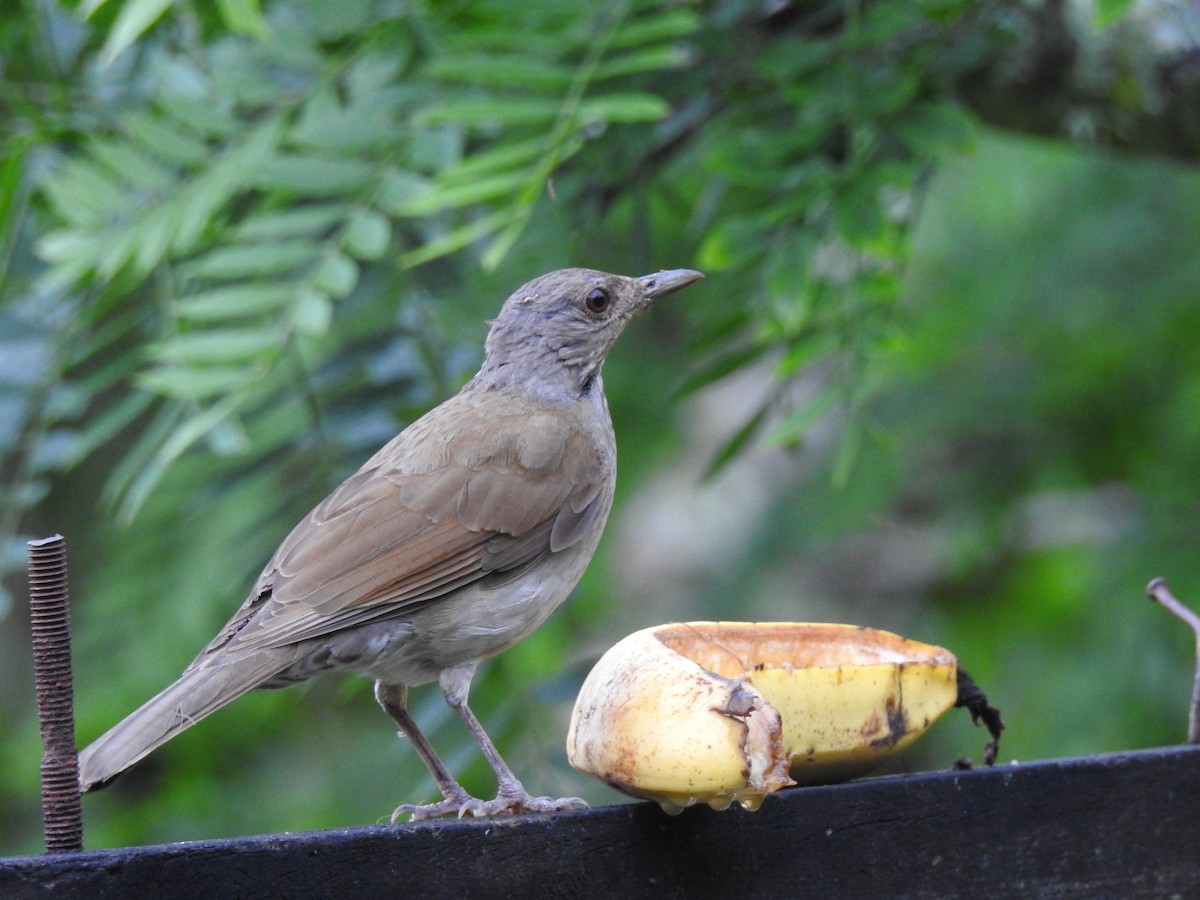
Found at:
<point>1121,825</point>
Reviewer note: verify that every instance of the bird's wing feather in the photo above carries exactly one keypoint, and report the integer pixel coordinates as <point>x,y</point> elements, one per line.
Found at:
<point>425,516</point>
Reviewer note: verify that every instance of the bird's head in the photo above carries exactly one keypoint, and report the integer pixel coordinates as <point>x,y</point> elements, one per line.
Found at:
<point>554,333</point>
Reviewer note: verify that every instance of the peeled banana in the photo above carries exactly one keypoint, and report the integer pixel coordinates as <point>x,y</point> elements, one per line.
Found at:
<point>724,712</point>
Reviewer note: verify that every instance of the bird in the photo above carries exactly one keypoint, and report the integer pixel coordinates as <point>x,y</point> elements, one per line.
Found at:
<point>457,539</point>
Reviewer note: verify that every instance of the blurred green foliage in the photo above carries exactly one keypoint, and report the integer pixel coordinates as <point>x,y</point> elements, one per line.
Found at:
<point>243,246</point>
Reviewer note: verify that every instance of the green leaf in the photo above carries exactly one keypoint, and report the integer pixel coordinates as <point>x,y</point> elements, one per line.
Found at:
<point>135,168</point>
<point>797,422</point>
<point>371,72</point>
<point>858,218</point>
<point>398,188</point>
<point>336,274</point>
<point>199,115</point>
<point>176,443</point>
<point>84,194</point>
<point>475,112</point>
<point>368,234</point>
<point>65,275</point>
<point>217,345</point>
<point>132,21</point>
<point>328,124</point>
<point>314,176</point>
<point>503,242</point>
<point>313,313</point>
<point>453,196</point>
<point>12,161</point>
<point>478,68</point>
<point>99,429</point>
<point>847,453</point>
<point>150,239</point>
<point>336,21</point>
<point>243,17</point>
<point>785,279</point>
<point>656,29</point>
<point>88,7</point>
<point>1109,12</point>
<point>249,260</point>
<point>624,108</point>
<point>195,384</point>
<point>929,128</point>
<point>168,144</point>
<point>499,157</point>
<point>234,301</point>
<point>209,192</point>
<point>651,59</point>
<point>137,456</point>
<point>68,245</point>
<point>726,364</point>
<point>228,437</point>
<point>310,219</point>
<point>294,46</point>
<point>458,238</point>
<point>436,147</point>
<point>115,253</point>
<point>732,447</point>
<point>118,326</point>
<point>731,243</point>
<point>805,351</point>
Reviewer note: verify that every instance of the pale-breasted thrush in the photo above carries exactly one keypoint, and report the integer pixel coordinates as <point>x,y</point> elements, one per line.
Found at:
<point>453,542</point>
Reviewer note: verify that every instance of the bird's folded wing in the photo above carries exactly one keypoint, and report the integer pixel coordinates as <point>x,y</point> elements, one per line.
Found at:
<point>391,537</point>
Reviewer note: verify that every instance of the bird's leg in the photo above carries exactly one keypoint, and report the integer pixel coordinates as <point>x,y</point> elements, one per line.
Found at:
<point>511,796</point>
<point>393,698</point>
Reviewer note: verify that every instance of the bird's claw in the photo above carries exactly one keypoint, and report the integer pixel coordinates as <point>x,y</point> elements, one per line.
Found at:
<point>423,811</point>
<point>527,804</point>
<point>466,806</point>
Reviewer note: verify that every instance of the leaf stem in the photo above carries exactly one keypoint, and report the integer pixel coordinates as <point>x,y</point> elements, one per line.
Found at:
<point>1158,591</point>
<point>561,135</point>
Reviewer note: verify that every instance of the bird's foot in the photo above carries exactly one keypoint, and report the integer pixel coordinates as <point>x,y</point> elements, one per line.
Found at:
<point>505,803</point>
<point>524,803</point>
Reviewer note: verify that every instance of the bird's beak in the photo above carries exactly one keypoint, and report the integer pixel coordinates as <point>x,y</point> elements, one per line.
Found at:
<point>667,282</point>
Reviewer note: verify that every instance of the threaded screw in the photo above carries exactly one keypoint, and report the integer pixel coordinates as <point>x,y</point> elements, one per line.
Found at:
<point>50,618</point>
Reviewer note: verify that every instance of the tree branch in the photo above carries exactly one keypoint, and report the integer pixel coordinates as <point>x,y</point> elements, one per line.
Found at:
<point>1050,70</point>
<point>1047,67</point>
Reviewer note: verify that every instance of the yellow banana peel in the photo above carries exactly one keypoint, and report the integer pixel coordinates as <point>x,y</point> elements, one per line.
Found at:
<point>724,712</point>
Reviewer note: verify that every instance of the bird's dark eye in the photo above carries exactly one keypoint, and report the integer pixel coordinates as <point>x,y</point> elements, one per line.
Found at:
<point>597,300</point>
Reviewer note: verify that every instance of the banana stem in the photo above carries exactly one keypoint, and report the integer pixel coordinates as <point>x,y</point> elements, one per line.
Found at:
<point>976,703</point>
<point>1158,591</point>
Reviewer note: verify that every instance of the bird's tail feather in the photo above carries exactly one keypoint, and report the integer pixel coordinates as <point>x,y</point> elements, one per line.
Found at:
<point>197,693</point>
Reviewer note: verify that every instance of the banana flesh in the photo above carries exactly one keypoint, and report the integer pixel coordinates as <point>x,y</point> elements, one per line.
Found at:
<point>725,712</point>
